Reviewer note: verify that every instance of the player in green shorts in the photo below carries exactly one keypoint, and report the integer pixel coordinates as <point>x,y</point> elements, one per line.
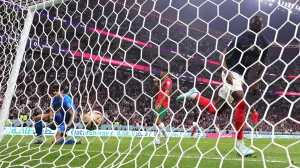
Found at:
<point>162,112</point>
<point>162,104</point>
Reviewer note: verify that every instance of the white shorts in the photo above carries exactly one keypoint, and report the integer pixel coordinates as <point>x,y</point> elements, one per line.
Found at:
<point>227,89</point>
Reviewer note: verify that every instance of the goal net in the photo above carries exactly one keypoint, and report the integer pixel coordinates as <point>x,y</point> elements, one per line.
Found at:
<point>107,53</point>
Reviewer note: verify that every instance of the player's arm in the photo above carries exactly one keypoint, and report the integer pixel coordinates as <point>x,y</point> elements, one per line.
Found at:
<point>223,60</point>
<point>69,105</point>
<point>225,55</point>
<point>72,114</point>
<point>261,69</point>
<point>167,93</point>
<point>51,113</point>
<point>155,83</point>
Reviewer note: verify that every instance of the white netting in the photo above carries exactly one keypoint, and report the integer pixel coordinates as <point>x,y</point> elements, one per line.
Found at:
<point>107,52</point>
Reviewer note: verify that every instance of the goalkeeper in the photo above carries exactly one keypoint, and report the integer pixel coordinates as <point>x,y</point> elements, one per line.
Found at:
<point>243,53</point>
<point>65,118</point>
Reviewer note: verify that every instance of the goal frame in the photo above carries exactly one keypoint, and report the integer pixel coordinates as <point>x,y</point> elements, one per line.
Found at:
<point>20,50</point>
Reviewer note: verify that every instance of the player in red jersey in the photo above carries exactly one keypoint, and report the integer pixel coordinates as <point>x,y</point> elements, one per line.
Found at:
<point>162,103</point>
<point>254,116</point>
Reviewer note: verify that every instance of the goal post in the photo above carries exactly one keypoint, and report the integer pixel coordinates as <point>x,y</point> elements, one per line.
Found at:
<point>11,83</point>
<point>30,6</point>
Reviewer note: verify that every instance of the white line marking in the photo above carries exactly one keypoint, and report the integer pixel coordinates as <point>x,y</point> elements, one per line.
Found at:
<point>190,157</point>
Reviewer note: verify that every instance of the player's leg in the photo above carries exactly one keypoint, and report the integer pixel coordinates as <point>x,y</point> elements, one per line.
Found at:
<point>195,121</point>
<point>158,116</point>
<point>38,126</point>
<point>221,105</point>
<point>239,119</point>
<point>205,102</point>
<point>39,123</point>
<point>158,132</point>
<point>60,137</point>
<point>235,94</point>
<point>256,131</point>
<point>195,95</point>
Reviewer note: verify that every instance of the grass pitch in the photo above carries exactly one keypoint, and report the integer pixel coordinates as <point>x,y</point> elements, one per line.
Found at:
<point>139,152</point>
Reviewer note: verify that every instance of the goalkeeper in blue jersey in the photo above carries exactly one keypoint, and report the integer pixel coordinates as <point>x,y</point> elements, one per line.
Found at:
<point>64,118</point>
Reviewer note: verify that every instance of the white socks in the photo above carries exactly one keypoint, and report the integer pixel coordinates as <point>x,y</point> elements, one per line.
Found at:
<point>163,129</point>
<point>239,142</point>
<point>256,134</point>
<point>193,96</point>
<point>157,138</point>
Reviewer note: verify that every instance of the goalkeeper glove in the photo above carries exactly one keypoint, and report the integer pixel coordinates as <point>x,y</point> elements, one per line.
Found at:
<point>64,133</point>
<point>51,125</point>
<point>68,128</point>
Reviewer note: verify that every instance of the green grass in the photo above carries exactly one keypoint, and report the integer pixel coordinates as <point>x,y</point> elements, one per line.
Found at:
<point>138,152</point>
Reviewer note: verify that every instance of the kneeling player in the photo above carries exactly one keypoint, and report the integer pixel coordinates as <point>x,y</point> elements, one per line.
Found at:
<point>65,118</point>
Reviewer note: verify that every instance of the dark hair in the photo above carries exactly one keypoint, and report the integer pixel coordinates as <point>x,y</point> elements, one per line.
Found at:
<point>57,87</point>
<point>165,70</point>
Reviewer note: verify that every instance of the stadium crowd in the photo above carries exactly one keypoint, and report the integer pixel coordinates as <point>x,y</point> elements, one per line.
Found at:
<point>129,100</point>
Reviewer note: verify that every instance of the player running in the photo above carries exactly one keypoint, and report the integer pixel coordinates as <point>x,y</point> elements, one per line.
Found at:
<point>254,116</point>
<point>236,61</point>
<point>65,118</point>
<point>162,104</point>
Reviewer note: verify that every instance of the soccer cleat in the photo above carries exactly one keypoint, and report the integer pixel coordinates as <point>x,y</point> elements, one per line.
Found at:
<point>156,142</point>
<point>244,151</point>
<point>37,140</point>
<point>187,94</point>
<point>78,141</point>
<point>167,139</point>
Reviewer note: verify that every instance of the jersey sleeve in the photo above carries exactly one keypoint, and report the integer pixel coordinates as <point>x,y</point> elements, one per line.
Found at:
<point>52,102</point>
<point>265,52</point>
<point>230,45</point>
<point>67,103</point>
<point>169,85</point>
<point>264,56</point>
<point>229,49</point>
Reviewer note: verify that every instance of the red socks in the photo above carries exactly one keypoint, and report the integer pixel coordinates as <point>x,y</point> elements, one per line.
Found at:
<point>194,130</point>
<point>239,118</point>
<point>204,102</point>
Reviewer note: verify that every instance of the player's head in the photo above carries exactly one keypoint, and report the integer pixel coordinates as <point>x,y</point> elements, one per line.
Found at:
<point>58,90</point>
<point>256,24</point>
<point>163,72</point>
<point>254,109</point>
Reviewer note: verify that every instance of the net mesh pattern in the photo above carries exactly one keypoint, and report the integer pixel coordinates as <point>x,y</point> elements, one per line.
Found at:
<point>107,53</point>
